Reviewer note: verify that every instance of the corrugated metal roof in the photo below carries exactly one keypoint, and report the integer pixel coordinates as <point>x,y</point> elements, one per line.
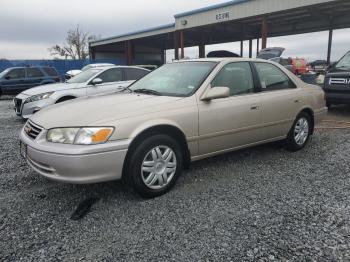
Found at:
<point>212,7</point>
<point>167,26</point>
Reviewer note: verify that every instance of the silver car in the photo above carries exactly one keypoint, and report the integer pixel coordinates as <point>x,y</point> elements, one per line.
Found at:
<point>181,112</point>
<point>90,82</point>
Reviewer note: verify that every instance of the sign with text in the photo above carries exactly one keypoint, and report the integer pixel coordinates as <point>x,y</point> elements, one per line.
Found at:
<point>223,16</point>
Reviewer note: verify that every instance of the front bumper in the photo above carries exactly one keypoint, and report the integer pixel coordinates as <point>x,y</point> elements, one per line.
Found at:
<point>75,164</point>
<point>338,98</point>
<point>25,110</point>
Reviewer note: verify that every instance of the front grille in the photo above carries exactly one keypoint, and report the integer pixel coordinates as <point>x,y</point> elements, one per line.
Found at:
<point>18,104</point>
<point>32,130</point>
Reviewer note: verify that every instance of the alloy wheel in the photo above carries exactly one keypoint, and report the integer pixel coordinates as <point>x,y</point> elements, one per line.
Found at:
<point>158,167</point>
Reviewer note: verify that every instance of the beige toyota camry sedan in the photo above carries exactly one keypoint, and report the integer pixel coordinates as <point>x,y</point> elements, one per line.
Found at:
<point>181,112</point>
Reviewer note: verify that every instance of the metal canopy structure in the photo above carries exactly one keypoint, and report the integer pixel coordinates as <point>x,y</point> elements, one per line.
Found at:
<point>233,21</point>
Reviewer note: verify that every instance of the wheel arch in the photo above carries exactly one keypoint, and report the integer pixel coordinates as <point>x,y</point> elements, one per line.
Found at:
<point>167,129</point>
<point>310,112</point>
<point>65,98</point>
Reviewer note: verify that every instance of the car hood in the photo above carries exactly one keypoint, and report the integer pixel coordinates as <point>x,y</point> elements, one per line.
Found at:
<point>49,88</point>
<point>93,110</point>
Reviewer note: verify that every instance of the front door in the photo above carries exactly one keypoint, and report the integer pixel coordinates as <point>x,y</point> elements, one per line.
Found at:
<point>112,81</point>
<point>14,81</point>
<point>234,121</point>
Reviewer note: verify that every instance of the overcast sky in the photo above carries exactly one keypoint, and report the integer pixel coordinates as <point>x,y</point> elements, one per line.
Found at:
<point>29,27</point>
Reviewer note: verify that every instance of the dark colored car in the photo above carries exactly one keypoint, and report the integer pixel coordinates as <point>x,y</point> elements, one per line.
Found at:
<point>221,53</point>
<point>337,82</point>
<point>318,66</point>
<point>14,80</point>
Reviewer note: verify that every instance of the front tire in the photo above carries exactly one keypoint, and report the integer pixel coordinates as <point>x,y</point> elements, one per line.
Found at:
<point>300,133</point>
<point>155,165</point>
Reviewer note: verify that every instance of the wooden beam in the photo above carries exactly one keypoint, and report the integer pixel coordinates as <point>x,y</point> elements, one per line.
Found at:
<point>176,45</point>
<point>182,44</point>
<point>264,33</point>
<point>128,52</point>
<point>330,40</point>
<point>250,48</point>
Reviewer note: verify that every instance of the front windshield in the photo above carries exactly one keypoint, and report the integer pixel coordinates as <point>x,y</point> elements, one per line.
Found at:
<point>84,76</point>
<point>344,62</point>
<point>3,73</point>
<point>176,79</point>
<point>86,67</point>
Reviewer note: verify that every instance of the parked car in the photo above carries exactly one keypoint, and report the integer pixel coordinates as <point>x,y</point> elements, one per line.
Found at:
<point>72,73</point>
<point>337,82</point>
<point>297,66</point>
<point>93,81</point>
<point>318,66</point>
<point>181,112</point>
<point>14,80</point>
<point>271,52</point>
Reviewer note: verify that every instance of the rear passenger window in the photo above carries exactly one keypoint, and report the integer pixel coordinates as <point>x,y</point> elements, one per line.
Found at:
<point>111,75</point>
<point>236,76</point>
<point>134,74</point>
<point>34,72</point>
<point>272,78</point>
<point>50,71</point>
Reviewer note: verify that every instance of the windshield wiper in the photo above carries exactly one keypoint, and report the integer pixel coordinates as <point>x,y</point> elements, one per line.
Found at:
<point>147,91</point>
<point>125,89</point>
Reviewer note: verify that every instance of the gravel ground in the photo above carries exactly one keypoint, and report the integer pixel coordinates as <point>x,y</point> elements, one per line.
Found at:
<point>259,204</point>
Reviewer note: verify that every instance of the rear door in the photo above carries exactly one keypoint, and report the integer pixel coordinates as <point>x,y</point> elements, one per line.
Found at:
<point>281,100</point>
<point>112,81</point>
<point>234,121</point>
<point>34,77</point>
<point>14,81</point>
<point>133,74</point>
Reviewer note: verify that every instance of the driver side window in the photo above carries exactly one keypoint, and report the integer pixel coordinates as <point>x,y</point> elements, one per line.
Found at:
<point>237,77</point>
<point>16,73</point>
<point>111,75</point>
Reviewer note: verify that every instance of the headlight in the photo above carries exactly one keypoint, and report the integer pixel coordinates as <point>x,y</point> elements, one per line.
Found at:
<point>38,97</point>
<point>79,136</point>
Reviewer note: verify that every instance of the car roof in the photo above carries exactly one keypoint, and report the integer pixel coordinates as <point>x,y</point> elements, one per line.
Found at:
<point>119,66</point>
<point>222,59</point>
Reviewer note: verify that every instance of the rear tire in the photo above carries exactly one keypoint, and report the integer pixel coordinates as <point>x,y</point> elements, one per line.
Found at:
<point>299,134</point>
<point>154,166</point>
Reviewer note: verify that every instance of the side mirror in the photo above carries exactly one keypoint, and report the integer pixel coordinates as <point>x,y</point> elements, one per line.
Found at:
<point>7,77</point>
<point>216,93</point>
<point>331,65</point>
<point>96,81</point>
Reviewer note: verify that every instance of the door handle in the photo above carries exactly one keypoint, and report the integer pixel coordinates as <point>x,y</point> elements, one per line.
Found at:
<point>254,107</point>
<point>296,101</point>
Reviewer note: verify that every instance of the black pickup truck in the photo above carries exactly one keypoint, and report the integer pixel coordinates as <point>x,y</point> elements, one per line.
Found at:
<point>337,82</point>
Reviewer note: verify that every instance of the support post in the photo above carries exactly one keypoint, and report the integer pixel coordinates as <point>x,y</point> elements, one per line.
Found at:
<point>201,48</point>
<point>250,48</point>
<point>162,56</point>
<point>182,44</point>
<point>257,46</point>
<point>128,52</point>
<point>264,32</point>
<point>176,45</point>
<point>241,48</point>
<point>330,40</point>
